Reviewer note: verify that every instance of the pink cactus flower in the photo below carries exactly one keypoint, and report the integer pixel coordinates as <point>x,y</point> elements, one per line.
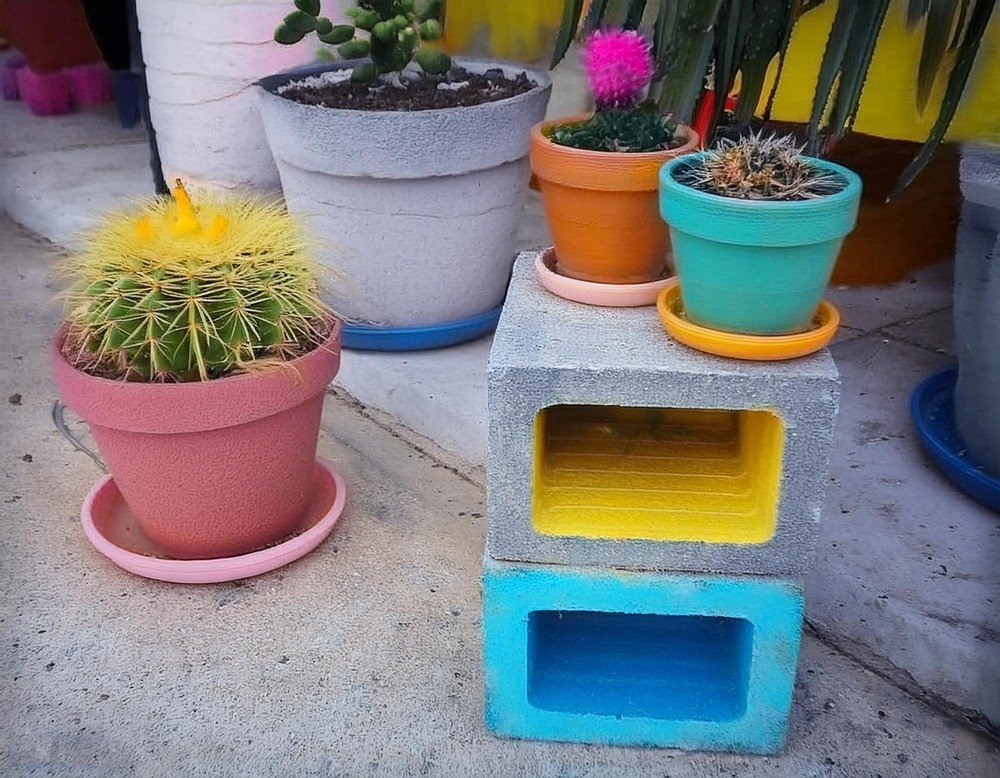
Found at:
<point>618,65</point>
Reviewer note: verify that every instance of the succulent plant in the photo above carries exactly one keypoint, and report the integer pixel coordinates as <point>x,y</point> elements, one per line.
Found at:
<point>636,129</point>
<point>732,42</point>
<point>754,167</point>
<point>397,30</point>
<point>172,292</point>
<point>619,65</point>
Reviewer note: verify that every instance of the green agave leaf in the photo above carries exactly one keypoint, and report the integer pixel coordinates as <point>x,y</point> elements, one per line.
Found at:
<point>940,18</point>
<point>686,53</point>
<point>567,29</point>
<point>833,58</point>
<point>733,27</point>
<point>763,42</point>
<point>915,11</point>
<point>616,12</point>
<point>979,18</point>
<point>854,69</point>
<point>595,15</point>
<point>633,18</point>
<point>786,37</point>
<point>963,17</point>
<point>666,21</point>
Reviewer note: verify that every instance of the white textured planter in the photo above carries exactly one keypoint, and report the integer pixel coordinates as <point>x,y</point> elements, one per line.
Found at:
<point>202,57</point>
<point>419,208</point>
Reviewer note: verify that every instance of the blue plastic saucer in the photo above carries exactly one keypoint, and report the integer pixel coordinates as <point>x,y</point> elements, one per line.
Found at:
<point>932,409</point>
<point>371,337</point>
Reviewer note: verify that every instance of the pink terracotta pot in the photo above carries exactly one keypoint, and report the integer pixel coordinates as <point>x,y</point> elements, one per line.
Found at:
<point>210,469</point>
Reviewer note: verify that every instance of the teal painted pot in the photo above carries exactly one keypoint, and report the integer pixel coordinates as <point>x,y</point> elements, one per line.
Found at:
<point>755,266</point>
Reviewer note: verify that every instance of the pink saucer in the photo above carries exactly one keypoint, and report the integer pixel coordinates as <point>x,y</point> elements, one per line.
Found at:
<point>590,293</point>
<point>113,530</point>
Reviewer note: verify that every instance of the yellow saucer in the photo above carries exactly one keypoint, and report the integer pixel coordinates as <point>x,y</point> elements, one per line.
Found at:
<point>739,346</point>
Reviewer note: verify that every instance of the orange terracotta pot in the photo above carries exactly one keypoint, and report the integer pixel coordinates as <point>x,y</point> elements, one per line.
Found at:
<point>603,209</point>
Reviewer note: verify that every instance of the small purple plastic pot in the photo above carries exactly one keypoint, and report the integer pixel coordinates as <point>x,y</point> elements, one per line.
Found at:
<point>8,76</point>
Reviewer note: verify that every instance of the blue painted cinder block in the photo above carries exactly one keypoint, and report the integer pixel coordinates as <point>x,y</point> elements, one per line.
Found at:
<point>639,658</point>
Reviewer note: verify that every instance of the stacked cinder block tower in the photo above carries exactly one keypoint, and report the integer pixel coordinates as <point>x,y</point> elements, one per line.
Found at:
<point>653,512</point>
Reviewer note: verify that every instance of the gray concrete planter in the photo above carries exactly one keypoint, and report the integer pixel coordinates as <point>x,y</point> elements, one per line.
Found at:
<point>977,308</point>
<point>418,209</point>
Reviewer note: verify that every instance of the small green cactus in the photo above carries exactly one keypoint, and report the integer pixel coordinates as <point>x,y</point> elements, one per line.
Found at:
<point>396,31</point>
<point>635,129</point>
<point>169,292</point>
<point>430,30</point>
<point>384,31</point>
<point>300,21</point>
<point>363,18</point>
<point>340,33</point>
<point>755,167</point>
<point>354,49</point>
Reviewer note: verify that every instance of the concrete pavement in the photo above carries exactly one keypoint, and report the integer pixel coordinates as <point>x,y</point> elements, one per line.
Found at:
<point>361,659</point>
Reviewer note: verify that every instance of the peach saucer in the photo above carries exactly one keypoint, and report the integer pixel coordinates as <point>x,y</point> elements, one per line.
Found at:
<point>591,293</point>
<point>113,530</point>
<point>740,346</point>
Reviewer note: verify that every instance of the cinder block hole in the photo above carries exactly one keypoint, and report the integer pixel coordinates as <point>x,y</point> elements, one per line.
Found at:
<point>684,668</point>
<point>657,473</point>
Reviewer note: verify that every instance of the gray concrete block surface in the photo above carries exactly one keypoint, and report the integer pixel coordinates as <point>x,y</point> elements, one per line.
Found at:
<point>550,352</point>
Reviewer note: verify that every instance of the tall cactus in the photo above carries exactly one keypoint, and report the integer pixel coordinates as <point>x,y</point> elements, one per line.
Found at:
<point>171,292</point>
<point>396,31</point>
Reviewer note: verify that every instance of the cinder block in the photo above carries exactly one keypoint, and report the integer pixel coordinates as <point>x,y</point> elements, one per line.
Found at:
<point>613,445</point>
<point>628,658</point>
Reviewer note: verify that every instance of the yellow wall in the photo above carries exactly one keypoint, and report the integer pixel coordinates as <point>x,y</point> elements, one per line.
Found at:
<point>888,105</point>
<point>511,29</point>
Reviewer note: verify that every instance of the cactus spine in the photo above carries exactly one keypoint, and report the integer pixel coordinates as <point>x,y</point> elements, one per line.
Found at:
<point>756,167</point>
<point>397,30</point>
<point>175,292</point>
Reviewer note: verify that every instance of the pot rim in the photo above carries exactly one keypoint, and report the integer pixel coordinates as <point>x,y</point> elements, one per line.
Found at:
<point>692,140</point>
<point>600,170</point>
<point>851,191</point>
<point>194,406</point>
<point>270,84</point>
<point>771,223</point>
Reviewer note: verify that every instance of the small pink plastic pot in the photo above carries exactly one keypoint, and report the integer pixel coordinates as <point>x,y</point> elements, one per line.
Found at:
<point>209,468</point>
<point>89,85</point>
<point>45,94</point>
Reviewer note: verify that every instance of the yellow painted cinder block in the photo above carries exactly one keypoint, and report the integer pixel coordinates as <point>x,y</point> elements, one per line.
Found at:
<point>657,473</point>
<point>889,104</point>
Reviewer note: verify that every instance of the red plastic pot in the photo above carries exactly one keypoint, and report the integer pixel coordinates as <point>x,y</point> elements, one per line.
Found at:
<point>210,469</point>
<point>51,34</point>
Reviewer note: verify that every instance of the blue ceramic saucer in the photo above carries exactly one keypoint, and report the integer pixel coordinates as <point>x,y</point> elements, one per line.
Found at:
<point>932,409</point>
<point>370,337</point>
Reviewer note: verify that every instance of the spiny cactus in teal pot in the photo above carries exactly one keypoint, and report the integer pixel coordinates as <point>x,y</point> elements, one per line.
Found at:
<point>391,32</point>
